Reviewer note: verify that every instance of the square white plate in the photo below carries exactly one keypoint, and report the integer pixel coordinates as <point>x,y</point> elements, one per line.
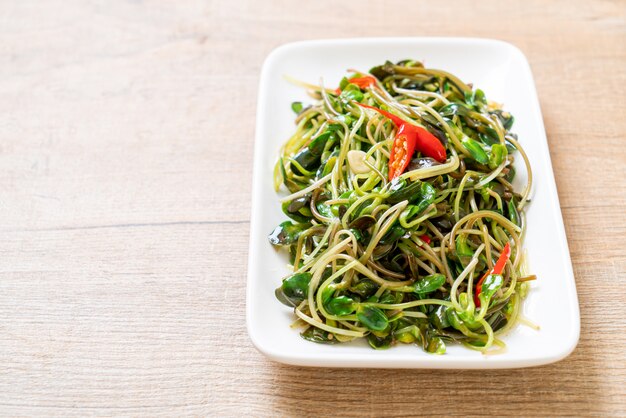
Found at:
<point>499,69</point>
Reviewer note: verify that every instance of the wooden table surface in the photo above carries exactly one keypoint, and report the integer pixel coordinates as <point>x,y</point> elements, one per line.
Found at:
<point>126,134</point>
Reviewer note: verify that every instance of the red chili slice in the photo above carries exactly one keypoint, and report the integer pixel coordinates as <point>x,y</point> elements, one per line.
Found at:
<point>425,238</point>
<point>402,151</point>
<point>361,82</point>
<point>408,138</point>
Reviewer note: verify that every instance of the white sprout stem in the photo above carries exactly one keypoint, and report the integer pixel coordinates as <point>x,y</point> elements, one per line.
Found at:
<point>306,190</point>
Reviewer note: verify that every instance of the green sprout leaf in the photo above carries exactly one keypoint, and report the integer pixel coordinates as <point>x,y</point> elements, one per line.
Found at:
<point>475,149</point>
<point>294,289</point>
<point>434,344</point>
<point>400,190</point>
<point>372,318</point>
<point>298,209</point>
<point>352,92</point>
<point>364,288</point>
<point>512,211</point>
<point>341,306</point>
<point>287,233</point>
<point>380,342</point>
<point>490,286</point>
<point>429,284</point>
<point>463,250</point>
<point>498,154</point>
<point>439,317</point>
<point>408,335</point>
<point>319,336</point>
<point>297,107</point>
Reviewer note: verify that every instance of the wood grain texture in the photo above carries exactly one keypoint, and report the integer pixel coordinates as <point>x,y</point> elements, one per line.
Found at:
<point>125,200</point>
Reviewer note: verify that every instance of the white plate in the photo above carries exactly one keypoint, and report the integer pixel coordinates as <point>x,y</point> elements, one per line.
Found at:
<point>501,70</point>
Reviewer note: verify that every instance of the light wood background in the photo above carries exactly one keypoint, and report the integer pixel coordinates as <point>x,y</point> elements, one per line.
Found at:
<point>126,134</point>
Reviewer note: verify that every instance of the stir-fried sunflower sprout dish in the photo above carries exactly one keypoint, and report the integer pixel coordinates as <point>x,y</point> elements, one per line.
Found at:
<point>405,226</point>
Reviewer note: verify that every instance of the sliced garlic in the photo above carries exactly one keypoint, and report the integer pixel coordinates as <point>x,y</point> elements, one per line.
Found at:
<point>356,160</point>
